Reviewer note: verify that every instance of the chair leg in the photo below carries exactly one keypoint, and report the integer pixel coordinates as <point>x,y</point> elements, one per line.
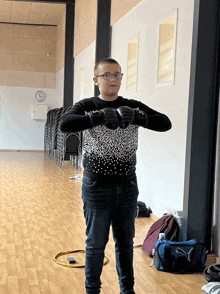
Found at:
<point>79,163</point>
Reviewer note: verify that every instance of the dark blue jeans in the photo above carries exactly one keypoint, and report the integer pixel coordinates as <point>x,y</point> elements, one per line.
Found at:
<point>109,201</point>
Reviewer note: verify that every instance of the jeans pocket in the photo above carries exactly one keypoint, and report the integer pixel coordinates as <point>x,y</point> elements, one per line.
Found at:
<point>88,182</point>
<point>133,186</point>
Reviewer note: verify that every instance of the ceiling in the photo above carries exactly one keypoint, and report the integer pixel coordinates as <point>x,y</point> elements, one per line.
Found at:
<point>31,12</point>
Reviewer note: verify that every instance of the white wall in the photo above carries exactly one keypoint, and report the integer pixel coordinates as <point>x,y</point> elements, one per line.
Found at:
<point>161,156</point>
<point>59,89</point>
<point>17,129</point>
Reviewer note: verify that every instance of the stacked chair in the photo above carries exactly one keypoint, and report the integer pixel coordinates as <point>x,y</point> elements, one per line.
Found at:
<point>58,146</point>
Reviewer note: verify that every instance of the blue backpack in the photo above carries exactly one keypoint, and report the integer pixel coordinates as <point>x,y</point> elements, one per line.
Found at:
<point>180,257</point>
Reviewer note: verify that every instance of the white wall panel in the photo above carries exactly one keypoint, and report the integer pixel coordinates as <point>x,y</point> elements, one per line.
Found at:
<point>85,61</point>
<point>161,156</point>
<point>17,129</point>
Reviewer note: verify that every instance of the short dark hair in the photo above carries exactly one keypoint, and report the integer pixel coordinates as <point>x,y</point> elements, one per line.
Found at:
<point>104,61</point>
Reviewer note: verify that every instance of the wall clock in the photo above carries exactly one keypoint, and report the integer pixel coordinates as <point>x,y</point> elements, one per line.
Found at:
<point>40,96</point>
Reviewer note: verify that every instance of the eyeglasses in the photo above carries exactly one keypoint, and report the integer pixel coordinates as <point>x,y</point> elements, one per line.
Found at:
<point>109,76</point>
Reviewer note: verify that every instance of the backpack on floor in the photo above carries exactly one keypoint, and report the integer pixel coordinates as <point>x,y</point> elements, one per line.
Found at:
<point>180,257</point>
<point>143,210</point>
<point>166,224</point>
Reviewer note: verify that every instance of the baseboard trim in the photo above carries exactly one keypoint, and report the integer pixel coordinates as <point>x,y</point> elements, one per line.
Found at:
<point>212,258</point>
<point>14,150</point>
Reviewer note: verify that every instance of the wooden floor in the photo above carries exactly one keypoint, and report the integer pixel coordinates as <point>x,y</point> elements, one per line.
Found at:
<point>41,215</point>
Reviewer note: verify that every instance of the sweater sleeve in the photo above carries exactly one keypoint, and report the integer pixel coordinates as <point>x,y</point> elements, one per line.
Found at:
<point>156,121</point>
<point>74,120</point>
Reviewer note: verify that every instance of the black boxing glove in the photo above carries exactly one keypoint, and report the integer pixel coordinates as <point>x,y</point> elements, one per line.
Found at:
<point>140,118</point>
<point>111,118</point>
<point>126,116</point>
<point>105,116</point>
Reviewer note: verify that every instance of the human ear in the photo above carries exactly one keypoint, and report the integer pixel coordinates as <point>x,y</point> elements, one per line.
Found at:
<point>95,81</point>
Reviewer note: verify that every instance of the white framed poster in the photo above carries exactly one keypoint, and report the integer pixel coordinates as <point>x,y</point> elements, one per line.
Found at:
<point>132,63</point>
<point>167,50</point>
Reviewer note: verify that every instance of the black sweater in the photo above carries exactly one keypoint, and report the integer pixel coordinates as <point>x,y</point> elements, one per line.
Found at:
<point>110,152</point>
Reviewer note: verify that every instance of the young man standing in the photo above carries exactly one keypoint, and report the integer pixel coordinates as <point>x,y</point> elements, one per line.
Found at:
<point>109,189</point>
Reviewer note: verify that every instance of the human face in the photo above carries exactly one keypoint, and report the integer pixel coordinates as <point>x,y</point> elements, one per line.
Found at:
<point>108,87</point>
